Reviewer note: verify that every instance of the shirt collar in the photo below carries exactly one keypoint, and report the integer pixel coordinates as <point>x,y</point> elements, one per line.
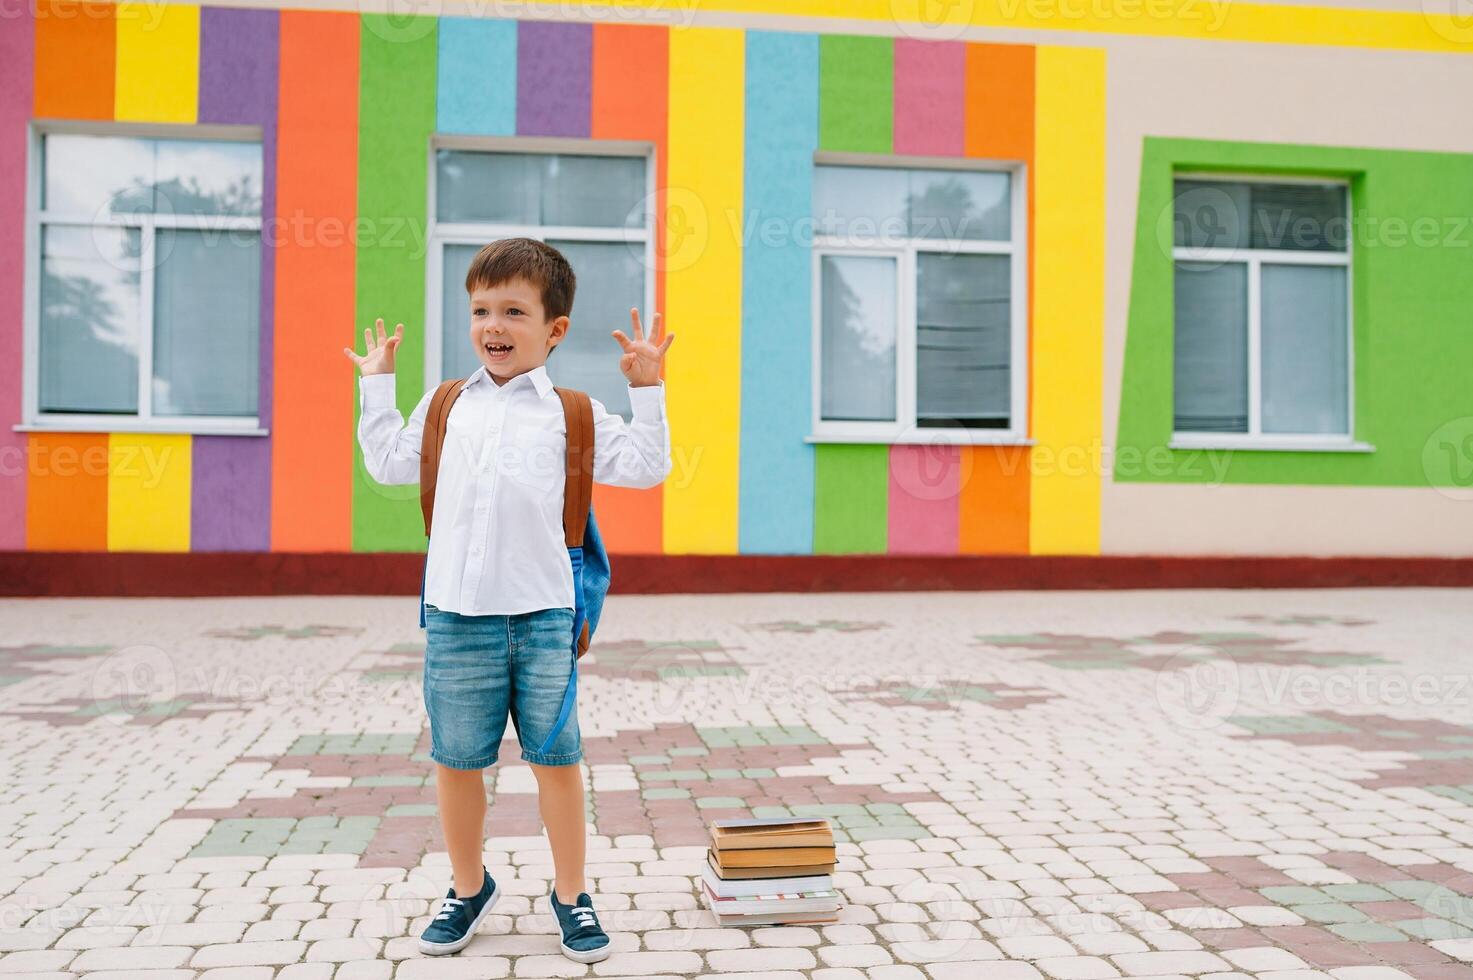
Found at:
<point>537,376</point>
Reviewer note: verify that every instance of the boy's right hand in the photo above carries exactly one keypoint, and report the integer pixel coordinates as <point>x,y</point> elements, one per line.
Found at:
<point>380,356</point>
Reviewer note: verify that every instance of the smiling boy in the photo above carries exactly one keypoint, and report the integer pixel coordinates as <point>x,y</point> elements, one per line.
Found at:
<point>499,597</point>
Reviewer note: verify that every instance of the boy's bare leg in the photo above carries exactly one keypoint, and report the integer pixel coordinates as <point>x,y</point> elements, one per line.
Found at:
<point>560,799</point>
<point>462,796</point>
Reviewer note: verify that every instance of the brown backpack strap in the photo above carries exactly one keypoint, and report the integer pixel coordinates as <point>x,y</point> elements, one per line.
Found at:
<point>578,490</point>
<point>433,439</point>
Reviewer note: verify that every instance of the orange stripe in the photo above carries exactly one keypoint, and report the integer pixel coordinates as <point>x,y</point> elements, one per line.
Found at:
<point>316,199</point>
<point>630,88</point>
<point>76,52</point>
<point>999,126</point>
<point>994,500</point>
<point>1000,101</point>
<point>66,491</point>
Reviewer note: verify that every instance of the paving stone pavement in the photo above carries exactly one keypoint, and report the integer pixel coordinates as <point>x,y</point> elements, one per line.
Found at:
<point>1070,785</point>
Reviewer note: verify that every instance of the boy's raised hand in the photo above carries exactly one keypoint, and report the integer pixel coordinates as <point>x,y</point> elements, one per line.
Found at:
<point>641,359</point>
<point>380,356</point>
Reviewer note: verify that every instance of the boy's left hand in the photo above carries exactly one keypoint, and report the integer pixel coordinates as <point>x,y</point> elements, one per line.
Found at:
<point>641,359</point>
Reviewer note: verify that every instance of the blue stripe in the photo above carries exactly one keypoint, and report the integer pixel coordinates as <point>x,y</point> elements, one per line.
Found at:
<point>776,492</point>
<point>477,77</point>
<point>570,692</point>
<point>424,573</point>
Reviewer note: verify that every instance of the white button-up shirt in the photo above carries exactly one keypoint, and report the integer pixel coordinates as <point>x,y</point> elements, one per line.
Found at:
<point>498,546</point>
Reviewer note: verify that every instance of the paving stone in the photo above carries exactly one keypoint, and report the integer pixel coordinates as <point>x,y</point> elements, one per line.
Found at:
<point>297,838</point>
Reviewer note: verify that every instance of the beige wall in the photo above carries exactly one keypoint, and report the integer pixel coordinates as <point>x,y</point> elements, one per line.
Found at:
<point>1332,96</point>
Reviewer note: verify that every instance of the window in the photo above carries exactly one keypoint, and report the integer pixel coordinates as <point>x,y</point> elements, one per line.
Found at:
<point>918,304</point>
<point>146,269</point>
<point>1262,310</point>
<point>595,208</point>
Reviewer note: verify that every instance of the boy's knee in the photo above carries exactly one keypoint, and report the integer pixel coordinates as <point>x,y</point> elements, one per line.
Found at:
<point>565,770</point>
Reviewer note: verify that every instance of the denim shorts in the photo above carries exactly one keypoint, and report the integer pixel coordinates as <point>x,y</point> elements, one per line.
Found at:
<point>480,669</point>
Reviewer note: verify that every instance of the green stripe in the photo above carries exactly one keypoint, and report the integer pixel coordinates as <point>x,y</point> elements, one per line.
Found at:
<point>856,115</point>
<point>851,498</point>
<point>856,93</point>
<point>396,115</point>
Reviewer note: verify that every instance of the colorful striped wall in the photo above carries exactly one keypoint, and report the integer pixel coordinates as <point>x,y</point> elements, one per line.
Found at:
<point>347,103</point>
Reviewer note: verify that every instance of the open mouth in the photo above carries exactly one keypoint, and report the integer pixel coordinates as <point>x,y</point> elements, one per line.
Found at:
<point>497,352</point>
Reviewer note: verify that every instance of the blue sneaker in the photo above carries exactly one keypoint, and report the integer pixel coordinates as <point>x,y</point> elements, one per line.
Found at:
<point>454,925</point>
<point>583,938</point>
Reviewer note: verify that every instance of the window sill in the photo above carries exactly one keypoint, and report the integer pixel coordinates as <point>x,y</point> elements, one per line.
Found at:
<point>191,429</point>
<point>1269,443</point>
<point>942,437</point>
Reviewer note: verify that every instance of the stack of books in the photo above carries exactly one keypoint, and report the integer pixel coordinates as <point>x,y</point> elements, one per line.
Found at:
<point>777,871</point>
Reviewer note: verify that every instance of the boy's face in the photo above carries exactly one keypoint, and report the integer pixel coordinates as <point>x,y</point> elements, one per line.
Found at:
<point>509,330</point>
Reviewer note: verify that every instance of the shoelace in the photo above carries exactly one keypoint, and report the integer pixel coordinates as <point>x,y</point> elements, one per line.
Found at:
<point>585,916</point>
<point>448,906</point>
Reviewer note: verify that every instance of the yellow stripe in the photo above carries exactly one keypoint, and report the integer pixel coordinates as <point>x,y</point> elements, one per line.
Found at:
<point>1209,20</point>
<point>703,287</point>
<point>1068,300</point>
<point>148,482</point>
<point>157,63</point>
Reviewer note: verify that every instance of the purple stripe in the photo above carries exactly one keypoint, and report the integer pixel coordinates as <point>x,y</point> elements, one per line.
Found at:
<point>554,78</point>
<point>230,499</point>
<point>237,65</point>
<point>17,75</point>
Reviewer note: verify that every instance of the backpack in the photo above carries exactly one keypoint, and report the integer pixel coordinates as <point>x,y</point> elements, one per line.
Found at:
<point>586,553</point>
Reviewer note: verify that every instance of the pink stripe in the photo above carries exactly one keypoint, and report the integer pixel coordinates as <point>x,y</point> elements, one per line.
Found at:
<point>17,77</point>
<point>930,89</point>
<point>925,483</point>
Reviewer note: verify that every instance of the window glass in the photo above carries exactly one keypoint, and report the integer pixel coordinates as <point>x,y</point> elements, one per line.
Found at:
<point>858,333</point>
<point>95,176</point>
<point>89,305</point>
<point>206,322</point>
<point>534,189</point>
<point>1292,216</point>
<point>963,340</point>
<point>1211,347</point>
<point>888,204</point>
<point>610,281</point>
<point>1305,368</point>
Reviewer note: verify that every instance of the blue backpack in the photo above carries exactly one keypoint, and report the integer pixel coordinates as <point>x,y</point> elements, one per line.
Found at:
<point>586,553</point>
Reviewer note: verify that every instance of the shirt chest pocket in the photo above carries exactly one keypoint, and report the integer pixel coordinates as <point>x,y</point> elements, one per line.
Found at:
<point>532,458</point>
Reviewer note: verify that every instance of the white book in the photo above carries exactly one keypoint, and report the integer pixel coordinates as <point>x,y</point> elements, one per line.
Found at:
<point>787,904</point>
<point>744,887</point>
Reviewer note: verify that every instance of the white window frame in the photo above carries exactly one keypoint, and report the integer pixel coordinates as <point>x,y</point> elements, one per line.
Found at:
<point>35,420</point>
<point>1255,259</point>
<point>441,234</point>
<point>903,430</point>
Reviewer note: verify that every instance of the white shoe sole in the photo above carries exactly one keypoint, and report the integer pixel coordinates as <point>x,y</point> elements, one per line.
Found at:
<point>442,949</point>
<point>586,956</point>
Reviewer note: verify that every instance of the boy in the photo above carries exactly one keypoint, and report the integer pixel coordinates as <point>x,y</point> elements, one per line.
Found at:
<point>498,583</point>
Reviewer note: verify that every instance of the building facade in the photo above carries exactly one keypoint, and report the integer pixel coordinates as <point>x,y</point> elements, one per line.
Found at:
<point>1046,279</point>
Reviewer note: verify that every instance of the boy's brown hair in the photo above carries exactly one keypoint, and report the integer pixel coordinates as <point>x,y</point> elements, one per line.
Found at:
<point>526,258</point>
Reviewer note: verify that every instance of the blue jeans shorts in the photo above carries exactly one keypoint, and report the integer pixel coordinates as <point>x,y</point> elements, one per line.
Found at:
<point>480,669</point>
